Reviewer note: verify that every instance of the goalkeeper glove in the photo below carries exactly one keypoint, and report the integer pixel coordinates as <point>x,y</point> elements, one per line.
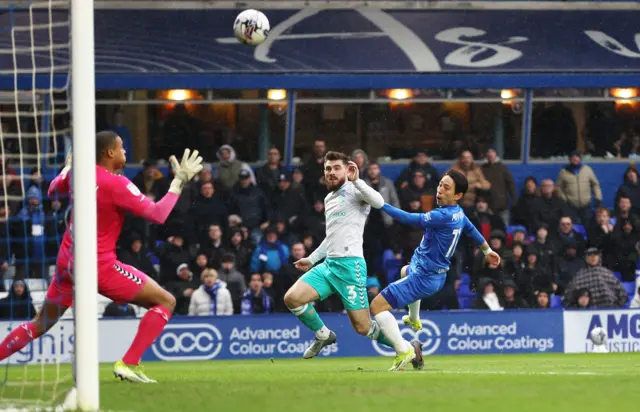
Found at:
<point>184,171</point>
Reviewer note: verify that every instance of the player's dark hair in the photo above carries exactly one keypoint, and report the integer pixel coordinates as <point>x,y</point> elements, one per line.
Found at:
<point>105,140</point>
<point>459,180</point>
<point>336,156</point>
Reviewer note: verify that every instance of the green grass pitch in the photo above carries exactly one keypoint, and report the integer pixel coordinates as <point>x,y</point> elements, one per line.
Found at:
<point>491,383</point>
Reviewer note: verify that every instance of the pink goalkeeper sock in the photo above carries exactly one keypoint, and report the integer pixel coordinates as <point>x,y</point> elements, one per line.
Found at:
<point>151,326</point>
<point>17,339</point>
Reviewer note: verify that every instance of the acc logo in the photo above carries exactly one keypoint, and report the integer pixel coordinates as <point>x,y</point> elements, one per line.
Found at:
<point>194,341</point>
<point>429,336</point>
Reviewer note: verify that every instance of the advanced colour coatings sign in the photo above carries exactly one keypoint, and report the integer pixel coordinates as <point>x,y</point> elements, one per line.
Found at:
<point>344,41</point>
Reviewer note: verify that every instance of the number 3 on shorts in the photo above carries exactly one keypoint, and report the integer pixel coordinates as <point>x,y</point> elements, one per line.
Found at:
<point>352,292</point>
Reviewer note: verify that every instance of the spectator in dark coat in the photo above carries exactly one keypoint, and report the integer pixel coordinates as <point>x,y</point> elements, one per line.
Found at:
<point>151,181</point>
<point>581,299</point>
<point>524,213</point>
<point>420,162</point>
<point>250,204</point>
<point>268,175</point>
<point>624,209</point>
<point>213,246</point>
<point>417,187</point>
<point>171,254</point>
<point>235,280</point>
<point>503,187</point>
<point>631,188</point>
<point>181,287</point>
<point>208,209</point>
<point>600,231</point>
<point>18,304</point>
<point>569,262</point>
<point>606,291</point>
<point>289,274</point>
<point>566,233</point>
<point>549,207</point>
<point>241,250</point>
<point>483,218</point>
<point>286,203</point>
<point>544,247</point>
<point>137,256</point>
<point>408,237</point>
<point>511,298</point>
<point>314,171</point>
<point>623,256</point>
<point>315,222</point>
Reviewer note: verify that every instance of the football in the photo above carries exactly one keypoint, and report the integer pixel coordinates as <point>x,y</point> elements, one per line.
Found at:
<point>598,336</point>
<point>251,27</point>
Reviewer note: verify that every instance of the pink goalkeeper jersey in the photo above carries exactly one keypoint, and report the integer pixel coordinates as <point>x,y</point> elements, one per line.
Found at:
<point>116,195</point>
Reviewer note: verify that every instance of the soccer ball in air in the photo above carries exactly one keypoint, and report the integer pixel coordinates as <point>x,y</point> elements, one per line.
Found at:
<point>598,336</point>
<point>251,27</point>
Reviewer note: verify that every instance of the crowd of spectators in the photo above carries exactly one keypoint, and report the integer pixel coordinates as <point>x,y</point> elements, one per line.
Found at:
<point>229,245</point>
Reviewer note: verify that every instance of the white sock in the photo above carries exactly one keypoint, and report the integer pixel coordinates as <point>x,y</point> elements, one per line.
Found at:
<point>389,326</point>
<point>414,311</point>
<point>323,333</point>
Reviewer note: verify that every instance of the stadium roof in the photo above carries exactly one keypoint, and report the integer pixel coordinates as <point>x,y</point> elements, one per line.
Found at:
<point>338,48</point>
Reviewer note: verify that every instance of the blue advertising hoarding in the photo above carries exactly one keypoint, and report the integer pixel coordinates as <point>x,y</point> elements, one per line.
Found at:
<point>282,336</point>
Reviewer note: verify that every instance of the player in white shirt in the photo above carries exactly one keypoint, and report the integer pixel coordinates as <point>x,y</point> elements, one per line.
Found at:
<point>344,270</point>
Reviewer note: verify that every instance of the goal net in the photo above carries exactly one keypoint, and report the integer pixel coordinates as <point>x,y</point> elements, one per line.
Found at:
<point>35,113</point>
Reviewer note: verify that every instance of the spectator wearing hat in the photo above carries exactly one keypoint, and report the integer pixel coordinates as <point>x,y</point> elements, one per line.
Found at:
<point>18,304</point>
<point>569,262</point>
<point>269,174</point>
<point>523,213</point>
<point>606,290</point>
<point>255,300</point>
<point>234,279</point>
<point>503,187</point>
<point>623,255</point>
<point>271,254</point>
<point>511,298</point>
<point>483,218</point>
<point>487,298</point>
<point>579,187</point>
<point>420,162</point>
<point>181,287</point>
<point>286,203</point>
<point>212,298</point>
<point>250,205</point>
<point>171,254</point>
<point>229,170</point>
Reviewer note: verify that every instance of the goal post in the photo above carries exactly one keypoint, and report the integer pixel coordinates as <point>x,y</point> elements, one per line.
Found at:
<point>84,204</point>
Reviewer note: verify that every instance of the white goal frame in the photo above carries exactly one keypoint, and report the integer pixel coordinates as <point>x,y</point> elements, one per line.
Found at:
<point>84,205</point>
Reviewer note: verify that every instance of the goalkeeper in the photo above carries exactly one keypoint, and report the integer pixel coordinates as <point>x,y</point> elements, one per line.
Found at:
<point>116,195</point>
<point>344,270</point>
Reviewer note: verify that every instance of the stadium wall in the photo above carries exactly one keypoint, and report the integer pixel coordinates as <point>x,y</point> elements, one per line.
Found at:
<point>282,336</point>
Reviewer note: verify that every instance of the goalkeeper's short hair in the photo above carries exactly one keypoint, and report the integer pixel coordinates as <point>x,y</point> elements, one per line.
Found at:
<point>105,140</point>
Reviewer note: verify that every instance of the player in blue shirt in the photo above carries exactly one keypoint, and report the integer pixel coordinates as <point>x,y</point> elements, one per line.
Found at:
<point>426,273</point>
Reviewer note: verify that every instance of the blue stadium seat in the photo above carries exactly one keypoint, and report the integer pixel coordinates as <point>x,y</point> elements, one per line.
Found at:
<point>464,289</point>
<point>465,279</point>
<point>556,301</point>
<point>630,287</point>
<point>618,276</point>
<point>580,229</point>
